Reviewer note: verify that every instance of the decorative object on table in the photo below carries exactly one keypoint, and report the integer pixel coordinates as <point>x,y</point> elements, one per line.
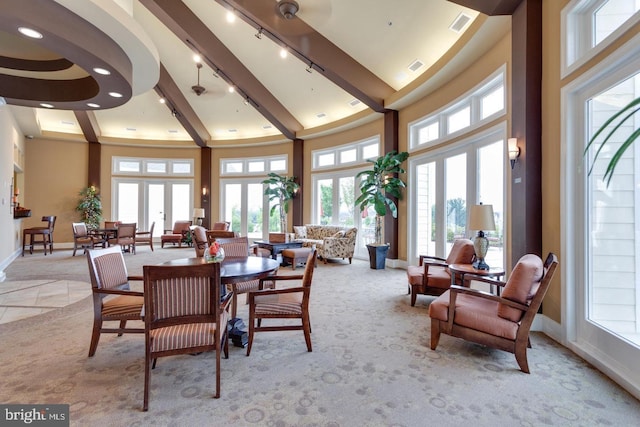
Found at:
<point>631,135</point>
<point>281,189</point>
<point>215,253</point>
<point>380,187</point>
<point>90,207</point>
<point>198,214</point>
<point>481,219</point>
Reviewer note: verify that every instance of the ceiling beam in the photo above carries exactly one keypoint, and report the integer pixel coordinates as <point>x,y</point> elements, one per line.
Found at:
<point>312,47</point>
<point>490,7</point>
<point>181,109</point>
<point>195,34</point>
<point>88,125</point>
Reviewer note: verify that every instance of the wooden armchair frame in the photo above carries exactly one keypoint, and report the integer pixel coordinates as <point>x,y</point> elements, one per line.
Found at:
<point>517,346</point>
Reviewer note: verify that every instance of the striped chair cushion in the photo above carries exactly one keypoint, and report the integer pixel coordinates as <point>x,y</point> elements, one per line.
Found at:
<point>279,304</point>
<point>122,306</point>
<point>111,271</point>
<point>182,336</point>
<point>182,297</point>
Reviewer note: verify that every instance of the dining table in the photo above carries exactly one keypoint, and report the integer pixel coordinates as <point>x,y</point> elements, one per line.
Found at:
<point>235,269</point>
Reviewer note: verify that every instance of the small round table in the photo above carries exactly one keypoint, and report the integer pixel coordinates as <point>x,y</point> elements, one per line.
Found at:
<point>462,269</point>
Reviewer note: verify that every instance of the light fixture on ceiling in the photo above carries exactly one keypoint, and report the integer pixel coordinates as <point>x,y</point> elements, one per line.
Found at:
<point>246,101</point>
<point>259,33</point>
<point>232,89</point>
<point>216,73</point>
<point>162,100</point>
<point>102,71</point>
<point>288,8</point>
<point>231,16</point>
<point>30,32</point>
<point>310,68</point>
<point>93,105</point>
<point>514,151</point>
<point>199,90</point>
<point>283,52</point>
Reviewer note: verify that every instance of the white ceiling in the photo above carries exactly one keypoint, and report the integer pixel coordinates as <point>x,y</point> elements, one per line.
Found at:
<point>383,36</point>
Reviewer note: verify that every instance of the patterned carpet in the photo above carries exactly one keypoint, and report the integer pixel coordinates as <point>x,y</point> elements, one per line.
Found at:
<point>371,366</point>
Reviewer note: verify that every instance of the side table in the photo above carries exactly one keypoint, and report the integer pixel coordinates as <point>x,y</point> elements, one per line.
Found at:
<point>462,269</point>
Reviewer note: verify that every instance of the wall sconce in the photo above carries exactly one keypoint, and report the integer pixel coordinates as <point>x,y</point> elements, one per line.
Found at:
<point>514,151</point>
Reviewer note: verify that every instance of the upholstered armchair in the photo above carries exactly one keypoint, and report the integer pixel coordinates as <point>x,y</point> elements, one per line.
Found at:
<point>199,235</point>
<point>342,244</point>
<point>82,239</point>
<point>177,234</point>
<point>501,322</point>
<point>145,237</point>
<point>432,275</point>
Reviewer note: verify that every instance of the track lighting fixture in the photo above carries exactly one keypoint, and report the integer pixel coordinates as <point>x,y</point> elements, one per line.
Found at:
<point>259,33</point>
<point>310,68</point>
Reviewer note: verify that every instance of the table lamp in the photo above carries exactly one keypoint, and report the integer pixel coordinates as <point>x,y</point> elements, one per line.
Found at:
<point>198,213</point>
<point>481,219</point>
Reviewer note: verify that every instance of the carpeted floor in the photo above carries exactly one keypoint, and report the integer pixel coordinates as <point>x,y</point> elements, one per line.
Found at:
<point>371,366</point>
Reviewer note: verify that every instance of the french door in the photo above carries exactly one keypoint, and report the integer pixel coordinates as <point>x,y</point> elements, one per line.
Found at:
<point>244,205</point>
<point>443,184</point>
<point>145,201</point>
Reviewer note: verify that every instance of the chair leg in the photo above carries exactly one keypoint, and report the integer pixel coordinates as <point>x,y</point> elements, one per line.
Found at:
<point>306,326</point>
<point>521,356</point>
<point>414,295</point>
<point>435,333</point>
<point>123,323</point>
<point>147,378</point>
<point>217,395</point>
<point>234,305</point>
<point>252,321</point>
<point>95,337</point>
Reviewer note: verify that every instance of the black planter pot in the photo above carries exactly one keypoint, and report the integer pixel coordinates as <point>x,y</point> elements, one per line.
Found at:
<point>377,256</point>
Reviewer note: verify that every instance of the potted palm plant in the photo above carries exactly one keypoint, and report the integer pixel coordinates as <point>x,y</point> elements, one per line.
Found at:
<point>380,186</point>
<point>282,189</point>
<point>90,207</point>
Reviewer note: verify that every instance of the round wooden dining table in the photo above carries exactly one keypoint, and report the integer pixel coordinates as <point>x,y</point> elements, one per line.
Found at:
<point>236,269</point>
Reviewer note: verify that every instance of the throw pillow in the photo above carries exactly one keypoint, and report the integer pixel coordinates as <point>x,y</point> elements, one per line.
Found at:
<point>301,231</point>
<point>338,234</point>
<point>527,273</point>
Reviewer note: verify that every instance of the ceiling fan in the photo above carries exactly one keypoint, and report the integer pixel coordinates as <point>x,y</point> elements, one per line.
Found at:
<point>199,90</point>
<point>315,12</point>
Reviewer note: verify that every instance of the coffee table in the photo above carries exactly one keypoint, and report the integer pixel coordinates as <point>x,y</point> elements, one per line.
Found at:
<point>276,247</point>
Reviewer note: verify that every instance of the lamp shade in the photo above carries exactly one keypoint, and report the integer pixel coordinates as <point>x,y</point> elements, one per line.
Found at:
<point>481,218</point>
<point>198,213</point>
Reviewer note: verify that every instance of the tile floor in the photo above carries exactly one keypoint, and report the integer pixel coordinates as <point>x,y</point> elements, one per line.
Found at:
<point>22,299</point>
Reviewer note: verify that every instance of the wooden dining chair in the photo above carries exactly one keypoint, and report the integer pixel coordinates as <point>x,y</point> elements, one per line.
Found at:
<point>126,237</point>
<point>145,237</point>
<point>239,247</point>
<point>183,314</point>
<point>44,233</point>
<point>82,239</point>
<point>285,303</point>
<point>113,299</point>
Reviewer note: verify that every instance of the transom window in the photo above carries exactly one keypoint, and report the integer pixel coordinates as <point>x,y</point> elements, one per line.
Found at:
<point>346,155</point>
<point>253,166</point>
<point>480,105</point>
<point>152,167</point>
<point>590,25</point>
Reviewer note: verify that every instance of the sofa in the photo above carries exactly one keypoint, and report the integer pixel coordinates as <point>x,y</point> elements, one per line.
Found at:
<point>331,241</point>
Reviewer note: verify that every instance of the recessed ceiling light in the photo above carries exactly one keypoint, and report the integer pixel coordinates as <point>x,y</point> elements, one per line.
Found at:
<point>30,32</point>
<point>45,105</point>
<point>102,71</point>
<point>172,131</point>
<point>321,115</point>
<point>233,130</point>
<point>354,102</point>
<point>131,129</point>
<point>267,127</point>
<point>93,105</point>
<point>67,123</point>
<point>115,94</point>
